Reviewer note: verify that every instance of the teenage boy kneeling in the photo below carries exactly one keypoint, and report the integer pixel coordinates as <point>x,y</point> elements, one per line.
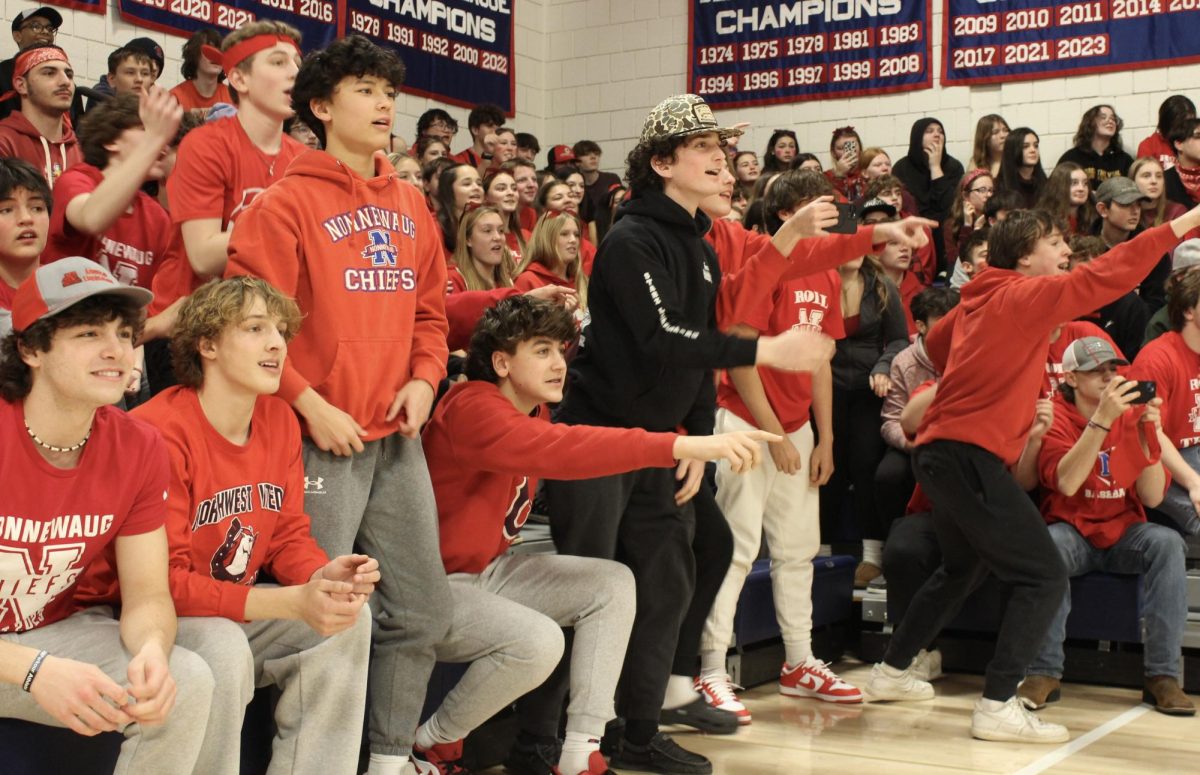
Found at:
<point>1100,465</point>
<point>227,433</point>
<point>487,444</point>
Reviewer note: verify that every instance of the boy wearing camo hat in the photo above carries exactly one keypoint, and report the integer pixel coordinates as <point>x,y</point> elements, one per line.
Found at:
<point>645,361</point>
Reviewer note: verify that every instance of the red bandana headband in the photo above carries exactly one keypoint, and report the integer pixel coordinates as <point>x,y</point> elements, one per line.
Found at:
<point>244,50</point>
<point>972,176</point>
<point>31,59</point>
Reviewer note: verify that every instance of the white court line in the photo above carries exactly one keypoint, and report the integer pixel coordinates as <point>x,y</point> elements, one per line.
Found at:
<point>1083,741</point>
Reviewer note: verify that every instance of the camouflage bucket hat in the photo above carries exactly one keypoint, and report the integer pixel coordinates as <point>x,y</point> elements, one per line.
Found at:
<point>682,115</point>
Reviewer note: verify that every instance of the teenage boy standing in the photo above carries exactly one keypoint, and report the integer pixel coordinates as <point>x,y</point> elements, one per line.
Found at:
<point>358,250</point>
<point>61,369</point>
<point>975,429</point>
<point>40,133</point>
<point>482,122</point>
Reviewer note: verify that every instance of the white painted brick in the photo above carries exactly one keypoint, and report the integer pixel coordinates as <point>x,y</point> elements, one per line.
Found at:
<point>597,13</point>
<point>634,36</point>
<point>637,93</point>
<point>574,72</point>
<point>611,98</point>
<point>621,10</point>
<point>645,62</point>
<point>645,10</point>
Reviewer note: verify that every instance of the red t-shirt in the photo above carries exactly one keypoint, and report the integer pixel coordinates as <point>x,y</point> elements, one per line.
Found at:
<point>232,510</point>
<point>1106,504</point>
<point>56,522</point>
<point>1076,329</point>
<point>812,302</point>
<point>132,248</point>
<point>1175,368</point>
<point>1158,147</point>
<point>218,173</point>
<point>191,99</point>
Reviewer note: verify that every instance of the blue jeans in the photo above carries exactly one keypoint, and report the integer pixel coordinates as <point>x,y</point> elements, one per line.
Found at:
<point>1176,504</point>
<point>1155,552</point>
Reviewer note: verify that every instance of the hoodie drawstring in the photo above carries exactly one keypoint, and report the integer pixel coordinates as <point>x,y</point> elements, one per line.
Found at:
<point>50,174</point>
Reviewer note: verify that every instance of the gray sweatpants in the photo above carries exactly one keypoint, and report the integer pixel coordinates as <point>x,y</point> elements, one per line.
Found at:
<point>94,636</point>
<point>323,691</point>
<point>507,623</point>
<point>381,501</point>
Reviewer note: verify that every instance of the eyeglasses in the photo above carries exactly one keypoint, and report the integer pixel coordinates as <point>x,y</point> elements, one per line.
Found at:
<point>981,190</point>
<point>40,28</point>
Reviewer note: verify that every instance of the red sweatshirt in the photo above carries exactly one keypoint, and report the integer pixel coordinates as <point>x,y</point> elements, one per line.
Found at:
<point>20,139</point>
<point>1106,504</point>
<point>1175,367</point>
<point>999,336</point>
<point>232,510</point>
<point>485,458</point>
<point>361,259</point>
<point>538,276</point>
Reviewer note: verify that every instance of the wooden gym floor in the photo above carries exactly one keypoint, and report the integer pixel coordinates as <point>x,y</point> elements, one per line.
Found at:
<point>1111,733</point>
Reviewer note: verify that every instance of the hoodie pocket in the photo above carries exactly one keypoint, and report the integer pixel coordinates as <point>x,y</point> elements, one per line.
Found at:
<point>364,378</point>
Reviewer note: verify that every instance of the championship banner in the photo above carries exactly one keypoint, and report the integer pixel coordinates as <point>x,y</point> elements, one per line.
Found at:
<point>317,20</point>
<point>1021,40</point>
<point>454,51</point>
<point>747,52</point>
<point>91,6</point>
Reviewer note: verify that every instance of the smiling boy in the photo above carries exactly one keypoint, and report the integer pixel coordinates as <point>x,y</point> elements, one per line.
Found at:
<point>357,249</point>
<point>975,429</point>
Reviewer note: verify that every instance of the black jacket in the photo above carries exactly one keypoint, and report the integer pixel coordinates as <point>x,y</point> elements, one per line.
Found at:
<point>1099,168</point>
<point>646,356</point>
<point>882,332</point>
<point>1175,190</point>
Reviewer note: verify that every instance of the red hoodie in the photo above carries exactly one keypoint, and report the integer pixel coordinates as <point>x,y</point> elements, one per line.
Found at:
<point>485,458</point>
<point>362,260</point>
<point>1106,504</point>
<point>21,140</point>
<point>999,336</point>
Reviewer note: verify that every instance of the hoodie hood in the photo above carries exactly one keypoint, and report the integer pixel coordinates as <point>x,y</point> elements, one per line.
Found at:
<point>27,143</point>
<point>916,144</point>
<point>662,208</point>
<point>984,285</point>
<point>323,166</point>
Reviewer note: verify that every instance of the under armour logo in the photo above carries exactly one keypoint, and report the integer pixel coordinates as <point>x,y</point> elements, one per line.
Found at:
<point>314,484</point>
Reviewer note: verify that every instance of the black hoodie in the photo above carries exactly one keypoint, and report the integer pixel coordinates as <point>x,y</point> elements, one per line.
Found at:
<point>934,197</point>
<point>646,356</point>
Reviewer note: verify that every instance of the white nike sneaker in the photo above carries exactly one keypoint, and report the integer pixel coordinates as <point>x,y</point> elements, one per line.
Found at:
<point>927,665</point>
<point>1013,722</point>
<point>887,684</point>
<point>719,691</point>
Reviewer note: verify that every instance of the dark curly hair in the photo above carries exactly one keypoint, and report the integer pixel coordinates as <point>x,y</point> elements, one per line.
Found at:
<point>322,71</point>
<point>18,173</point>
<point>512,321</point>
<point>104,123</point>
<point>638,170</point>
<point>16,378</point>
<point>789,190</point>
<point>191,53</point>
<point>487,113</point>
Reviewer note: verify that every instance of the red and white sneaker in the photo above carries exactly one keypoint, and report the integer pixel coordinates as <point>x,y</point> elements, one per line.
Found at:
<point>815,679</point>
<point>718,690</point>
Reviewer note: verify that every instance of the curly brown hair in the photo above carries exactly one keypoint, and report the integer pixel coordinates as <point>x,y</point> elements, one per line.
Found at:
<point>214,307</point>
<point>105,123</point>
<point>512,321</point>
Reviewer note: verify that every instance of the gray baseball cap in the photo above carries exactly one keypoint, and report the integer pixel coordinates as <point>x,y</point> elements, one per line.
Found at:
<point>1186,255</point>
<point>1121,190</point>
<point>683,115</point>
<point>63,284</point>
<point>1090,353</point>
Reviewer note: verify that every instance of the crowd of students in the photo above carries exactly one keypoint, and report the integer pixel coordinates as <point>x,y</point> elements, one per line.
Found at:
<point>334,356</point>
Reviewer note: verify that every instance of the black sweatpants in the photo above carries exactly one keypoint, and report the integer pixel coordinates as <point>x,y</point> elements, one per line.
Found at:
<point>985,523</point>
<point>910,557</point>
<point>894,484</point>
<point>712,547</point>
<point>857,449</point>
<point>631,518</point>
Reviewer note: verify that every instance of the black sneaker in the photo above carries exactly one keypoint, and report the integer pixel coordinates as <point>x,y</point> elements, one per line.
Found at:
<point>614,733</point>
<point>533,758</point>
<point>698,714</point>
<point>661,754</point>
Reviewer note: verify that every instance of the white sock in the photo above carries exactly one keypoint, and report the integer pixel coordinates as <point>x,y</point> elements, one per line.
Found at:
<point>991,706</point>
<point>430,734</point>
<point>825,551</point>
<point>873,552</point>
<point>386,764</point>
<point>797,653</point>
<point>576,749</point>
<point>680,692</point>
<point>712,663</point>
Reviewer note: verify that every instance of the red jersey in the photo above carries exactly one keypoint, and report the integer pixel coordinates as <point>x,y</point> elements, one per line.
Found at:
<point>1175,368</point>
<point>999,335</point>
<point>1158,147</point>
<point>55,522</point>
<point>361,259</point>
<point>1106,504</point>
<point>232,510</point>
<point>132,248</point>
<point>1075,329</point>
<point>485,457</point>
<point>218,173</point>
<point>20,139</point>
<point>191,99</point>
<point>812,302</point>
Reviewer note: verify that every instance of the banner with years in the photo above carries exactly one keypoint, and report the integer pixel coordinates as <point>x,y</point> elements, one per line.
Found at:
<point>317,20</point>
<point>455,51</point>
<point>1018,40</point>
<point>747,52</point>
